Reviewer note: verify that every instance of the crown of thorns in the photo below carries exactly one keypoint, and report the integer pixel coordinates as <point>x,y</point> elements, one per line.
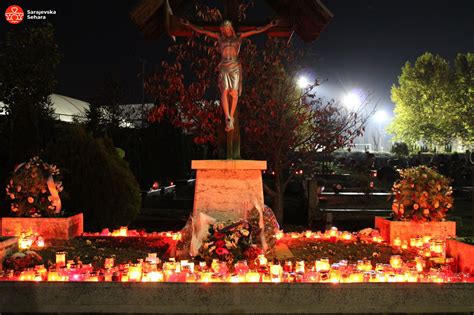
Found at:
<point>226,23</point>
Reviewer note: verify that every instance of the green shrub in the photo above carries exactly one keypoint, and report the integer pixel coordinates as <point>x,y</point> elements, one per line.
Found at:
<point>400,149</point>
<point>99,183</point>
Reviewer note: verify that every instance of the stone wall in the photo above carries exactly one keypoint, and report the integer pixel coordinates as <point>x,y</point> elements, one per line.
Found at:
<point>231,298</point>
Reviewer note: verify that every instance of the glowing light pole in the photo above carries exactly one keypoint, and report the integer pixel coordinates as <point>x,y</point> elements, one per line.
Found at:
<point>303,82</point>
<point>380,117</point>
<point>352,101</point>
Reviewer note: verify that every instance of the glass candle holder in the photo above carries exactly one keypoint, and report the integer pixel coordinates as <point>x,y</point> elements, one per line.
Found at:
<point>262,260</point>
<point>404,244</point>
<point>253,276</point>
<point>152,258</point>
<point>60,259</point>
<point>300,267</point>
<point>397,242</point>
<point>288,266</point>
<point>322,265</point>
<point>438,248</point>
<point>396,261</point>
<point>241,268</point>
<point>420,263</point>
<point>135,272</point>
<point>333,233</point>
<point>356,277</point>
<point>426,239</point>
<point>276,272</point>
<point>109,262</point>
<point>123,231</point>
<point>419,242</point>
<point>53,275</point>
<point>205,276</point>
<point>346,236</point>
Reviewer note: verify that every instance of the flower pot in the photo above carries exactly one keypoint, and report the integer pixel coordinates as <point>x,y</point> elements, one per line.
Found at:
<point>464,254</point>
<point>49,228</point>
<point>405,230</point>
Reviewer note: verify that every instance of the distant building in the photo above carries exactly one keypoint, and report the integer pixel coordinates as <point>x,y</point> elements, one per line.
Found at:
<point>66,108</point>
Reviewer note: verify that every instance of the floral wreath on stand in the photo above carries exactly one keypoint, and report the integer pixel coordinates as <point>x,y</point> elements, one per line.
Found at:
<point>422,194</point>
<point>34,188</point>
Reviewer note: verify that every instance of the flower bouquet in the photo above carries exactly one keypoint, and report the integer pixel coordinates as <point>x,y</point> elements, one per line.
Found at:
<point>229,242</point>
<point>22,260</point>
<point>421,194</point>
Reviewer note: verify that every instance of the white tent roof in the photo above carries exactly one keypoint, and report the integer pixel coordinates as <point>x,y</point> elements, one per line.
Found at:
<point>65,107</point>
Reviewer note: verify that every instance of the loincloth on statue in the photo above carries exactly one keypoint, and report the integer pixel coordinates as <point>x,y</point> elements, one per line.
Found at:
<point>230,75</point>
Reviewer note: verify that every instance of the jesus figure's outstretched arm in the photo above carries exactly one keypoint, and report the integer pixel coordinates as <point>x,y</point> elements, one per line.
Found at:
<point>259,30</point>
<point>198,29</point>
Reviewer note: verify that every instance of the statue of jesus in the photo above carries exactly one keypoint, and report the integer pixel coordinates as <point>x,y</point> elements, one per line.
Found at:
<point>230,68</point>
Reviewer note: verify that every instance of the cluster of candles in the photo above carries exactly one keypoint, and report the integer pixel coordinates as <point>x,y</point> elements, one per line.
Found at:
<point>151,269</point>
<point>27,241</point>
<point>425,246</point>
<point>123,231</point>
<point>332,235</point>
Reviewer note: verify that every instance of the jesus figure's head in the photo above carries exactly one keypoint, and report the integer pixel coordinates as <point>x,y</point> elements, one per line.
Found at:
<point>227,29</point>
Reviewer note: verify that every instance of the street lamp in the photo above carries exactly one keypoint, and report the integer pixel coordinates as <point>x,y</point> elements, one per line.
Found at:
<point>352,101</point>
<point>380,117</point>
<point>303,82</point>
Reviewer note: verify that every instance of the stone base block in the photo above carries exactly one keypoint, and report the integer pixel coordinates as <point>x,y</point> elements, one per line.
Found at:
<point>405,230</point>
<point>463,253</point>
<point>49,228</point>
<point>228,189</point>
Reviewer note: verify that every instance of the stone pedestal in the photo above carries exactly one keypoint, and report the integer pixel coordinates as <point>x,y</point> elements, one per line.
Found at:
<point>49,228</point>
<point>464,254</point>
<point>225,190</point>
<point>405,230</point>
<point>228,189</point>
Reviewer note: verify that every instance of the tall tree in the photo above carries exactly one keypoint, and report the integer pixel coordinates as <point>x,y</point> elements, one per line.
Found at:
<point>433,101</point>
<point>463,87</point>
<point>27,79</point>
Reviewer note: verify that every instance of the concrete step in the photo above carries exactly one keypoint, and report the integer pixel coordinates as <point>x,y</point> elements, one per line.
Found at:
<point>233,298</point>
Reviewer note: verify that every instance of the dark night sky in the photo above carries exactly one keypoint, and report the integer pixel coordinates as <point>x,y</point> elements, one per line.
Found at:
<point>364,46</point>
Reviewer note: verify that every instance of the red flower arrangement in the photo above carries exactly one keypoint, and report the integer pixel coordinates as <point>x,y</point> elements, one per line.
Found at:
<point>22,260</point>
<point>228,243</point>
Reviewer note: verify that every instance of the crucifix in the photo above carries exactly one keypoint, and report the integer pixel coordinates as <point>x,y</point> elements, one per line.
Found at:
<point>230,68</point>
<point>230,72</point>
